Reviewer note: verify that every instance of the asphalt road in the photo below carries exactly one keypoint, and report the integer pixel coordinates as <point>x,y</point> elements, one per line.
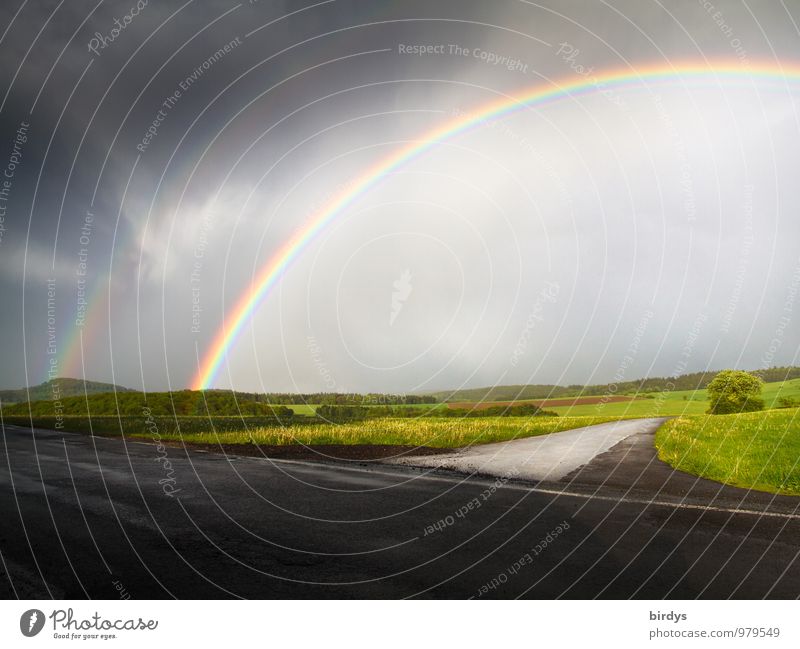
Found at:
<point>85,517</point>
<point>544,457</point>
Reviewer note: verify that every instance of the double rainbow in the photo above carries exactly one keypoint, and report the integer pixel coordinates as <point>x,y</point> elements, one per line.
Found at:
<point>268,275</point>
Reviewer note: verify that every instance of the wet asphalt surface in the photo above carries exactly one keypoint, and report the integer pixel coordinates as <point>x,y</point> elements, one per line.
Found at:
<point>85,517</point>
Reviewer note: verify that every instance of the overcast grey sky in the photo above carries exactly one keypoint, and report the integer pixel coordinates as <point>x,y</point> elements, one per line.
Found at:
<point>627,231</point>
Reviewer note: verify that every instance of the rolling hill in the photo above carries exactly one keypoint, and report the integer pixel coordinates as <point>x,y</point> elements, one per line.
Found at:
<point>59,388</point>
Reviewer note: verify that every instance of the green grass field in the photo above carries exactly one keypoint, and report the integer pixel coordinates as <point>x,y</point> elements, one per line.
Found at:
<point>774,391</point>
<point>440,433</point>
<point>758,450</point>
<point>304,408</point>
<point>663,404</point>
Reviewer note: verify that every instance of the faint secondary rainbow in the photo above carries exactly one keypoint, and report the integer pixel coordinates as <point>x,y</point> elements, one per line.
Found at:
<point>73,360</point>
<point>71,357</point>
<point>269,274</point>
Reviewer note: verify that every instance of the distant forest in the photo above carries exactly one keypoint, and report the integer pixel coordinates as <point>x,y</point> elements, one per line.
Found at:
<point>338,398</point>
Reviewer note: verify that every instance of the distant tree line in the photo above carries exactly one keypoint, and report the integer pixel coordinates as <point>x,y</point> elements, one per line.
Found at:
<point>340,414</point>
<point>336,398</point>
<point>160,404</point>
<point>509,393</point>
<point>693,381</point>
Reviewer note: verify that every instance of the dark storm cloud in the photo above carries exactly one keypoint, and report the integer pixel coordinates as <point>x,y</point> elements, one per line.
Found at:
<point>164,131</point>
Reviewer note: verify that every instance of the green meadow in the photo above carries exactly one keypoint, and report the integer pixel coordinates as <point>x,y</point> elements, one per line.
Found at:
<point>308,409</point>
<point>756,450</point>
<point>674,404</point>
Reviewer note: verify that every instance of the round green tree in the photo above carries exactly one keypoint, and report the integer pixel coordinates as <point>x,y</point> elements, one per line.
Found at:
<point>735,391</point>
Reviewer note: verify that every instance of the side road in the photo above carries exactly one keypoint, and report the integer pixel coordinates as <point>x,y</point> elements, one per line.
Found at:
<point>548,457</point>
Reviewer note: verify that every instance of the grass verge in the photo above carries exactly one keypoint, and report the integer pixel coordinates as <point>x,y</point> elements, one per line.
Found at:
<point>758,450</point>
<point>434,432</point>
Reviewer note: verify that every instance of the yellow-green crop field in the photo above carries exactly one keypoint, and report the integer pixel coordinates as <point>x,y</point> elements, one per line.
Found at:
<point>440,433</point>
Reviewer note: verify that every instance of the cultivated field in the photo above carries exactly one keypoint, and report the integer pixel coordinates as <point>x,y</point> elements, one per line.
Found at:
<point>548,404</point>
<point>309,409</point>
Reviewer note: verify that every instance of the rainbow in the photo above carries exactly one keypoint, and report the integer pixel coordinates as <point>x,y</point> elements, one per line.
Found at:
<point>71,359</point>
<point>269,274</point>
<point>72,364</point>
